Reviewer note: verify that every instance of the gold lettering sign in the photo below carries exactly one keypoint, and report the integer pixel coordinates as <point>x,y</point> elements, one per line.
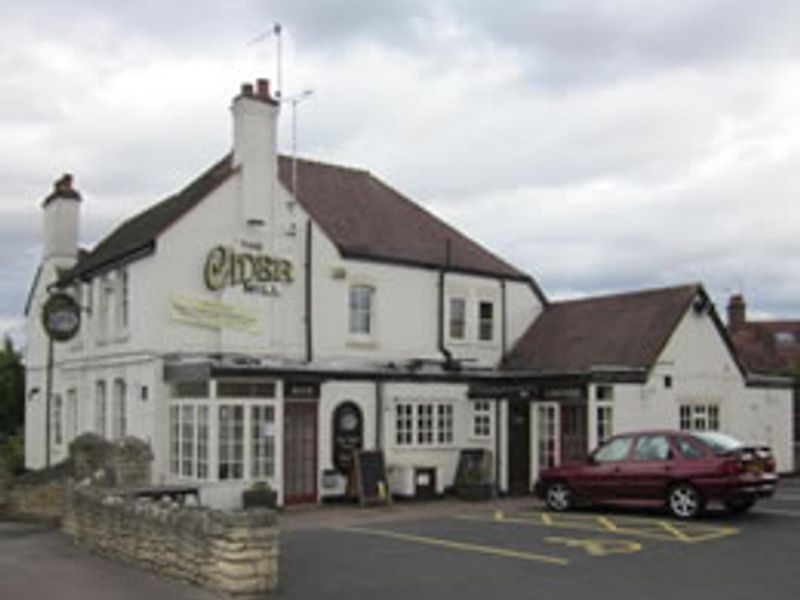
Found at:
<point>224,267</point>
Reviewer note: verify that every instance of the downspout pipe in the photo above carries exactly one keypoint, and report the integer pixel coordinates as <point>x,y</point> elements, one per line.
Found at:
<point>308,296</point>
<point>448,356</point>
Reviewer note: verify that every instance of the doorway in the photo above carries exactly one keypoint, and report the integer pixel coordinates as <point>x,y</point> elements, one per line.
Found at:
<point>574,432</point>
<point>300,452</point>
<point>519,448</point>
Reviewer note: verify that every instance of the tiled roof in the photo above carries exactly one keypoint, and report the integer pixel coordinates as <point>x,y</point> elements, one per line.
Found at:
<point>768,347</point>
<point>623,331</point>
<point>364,218</point>
<point>137,236</point>
<point>367,219</point>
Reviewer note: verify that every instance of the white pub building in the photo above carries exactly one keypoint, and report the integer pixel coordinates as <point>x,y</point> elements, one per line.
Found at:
<point>275,314</point>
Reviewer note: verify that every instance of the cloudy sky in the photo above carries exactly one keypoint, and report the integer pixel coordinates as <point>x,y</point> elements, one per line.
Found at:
<point>601,145</point>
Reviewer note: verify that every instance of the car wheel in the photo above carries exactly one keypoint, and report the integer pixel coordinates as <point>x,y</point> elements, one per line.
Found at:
<point>684,501</point>
<point>739,507</point>
<point>559,497</point>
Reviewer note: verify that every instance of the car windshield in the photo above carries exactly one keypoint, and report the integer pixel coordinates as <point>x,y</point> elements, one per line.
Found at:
<point>719,442</point>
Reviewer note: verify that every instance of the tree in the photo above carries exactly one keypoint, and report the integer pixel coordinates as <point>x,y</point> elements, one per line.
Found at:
<point>12,390</point>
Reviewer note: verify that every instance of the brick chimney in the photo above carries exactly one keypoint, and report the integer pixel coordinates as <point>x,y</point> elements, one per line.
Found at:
<point>255,119</point>
<point>737,313</point>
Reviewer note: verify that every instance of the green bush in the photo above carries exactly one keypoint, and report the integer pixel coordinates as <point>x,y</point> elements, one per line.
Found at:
<point>12,454</point>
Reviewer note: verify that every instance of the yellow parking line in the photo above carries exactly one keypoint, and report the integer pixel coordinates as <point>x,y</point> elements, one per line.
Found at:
<point>643,528</point>
<point>607,523</point>
<point>465,547</point>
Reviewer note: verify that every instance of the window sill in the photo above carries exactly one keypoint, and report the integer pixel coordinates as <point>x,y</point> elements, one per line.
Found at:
<point>431,448</point>
<point>362,343</point>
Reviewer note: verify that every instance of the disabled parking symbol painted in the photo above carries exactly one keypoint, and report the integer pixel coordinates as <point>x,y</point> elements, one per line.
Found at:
<point>597,547</point>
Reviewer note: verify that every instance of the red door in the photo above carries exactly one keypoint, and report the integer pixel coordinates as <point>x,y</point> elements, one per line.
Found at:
<point>300,452</point>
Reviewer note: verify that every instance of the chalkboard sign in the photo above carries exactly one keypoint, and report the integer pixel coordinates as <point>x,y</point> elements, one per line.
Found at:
<point>369,476</point>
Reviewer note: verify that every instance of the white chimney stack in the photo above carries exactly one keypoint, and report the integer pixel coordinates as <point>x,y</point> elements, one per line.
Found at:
<point>255,120</point>
<point>61,221</point>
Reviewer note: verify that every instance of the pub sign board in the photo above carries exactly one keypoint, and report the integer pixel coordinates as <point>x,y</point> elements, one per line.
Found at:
<point>61,317</point>
<point>348,435</point>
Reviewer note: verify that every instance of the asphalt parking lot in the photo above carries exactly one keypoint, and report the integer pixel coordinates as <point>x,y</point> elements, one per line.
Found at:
<point>451,549</point>
<point>520,551</point>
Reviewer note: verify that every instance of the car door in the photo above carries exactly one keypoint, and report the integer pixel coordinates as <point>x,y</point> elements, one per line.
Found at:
<point>599,478</point>
<point>646,475</point>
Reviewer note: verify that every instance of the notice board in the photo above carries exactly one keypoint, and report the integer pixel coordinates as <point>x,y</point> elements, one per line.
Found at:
<point>369,476</point>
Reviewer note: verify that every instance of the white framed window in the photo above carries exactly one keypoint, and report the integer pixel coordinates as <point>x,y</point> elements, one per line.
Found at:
<point>262,442</point>
<point>699,417</point>
<point>404,424</point>
<point>458,318</point>
<point>58,419</point>
<point>119,413</point>
<point>605,421</point>
<point>189,440</point>
<point>105,304</point>
<point>604,412</point>
<point>444,424</point>
<point>175,439</point>
<point>100,409</point>
<point>230,442</point>
<point>121,309</point>
<point>361,310</point>
<point>548,439</point>
<point>482,419</point>
<point>486,321</point>
<point>423,423</point>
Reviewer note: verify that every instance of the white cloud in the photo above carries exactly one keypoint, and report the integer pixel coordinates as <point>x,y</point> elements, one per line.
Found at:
<point>600,144</point>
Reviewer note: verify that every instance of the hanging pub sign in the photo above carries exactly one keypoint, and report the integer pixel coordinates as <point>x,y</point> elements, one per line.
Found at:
<point>61,317</point>
<point>348,435</point>
<point>256,272</point>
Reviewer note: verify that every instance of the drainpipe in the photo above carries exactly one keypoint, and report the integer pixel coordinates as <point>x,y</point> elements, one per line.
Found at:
<point>448,356</point>
<point>308,298</point>
<point>503,321</point>
<point>379,387</point>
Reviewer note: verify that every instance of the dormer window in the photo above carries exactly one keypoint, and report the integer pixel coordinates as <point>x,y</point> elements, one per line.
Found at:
<point>785,337</point>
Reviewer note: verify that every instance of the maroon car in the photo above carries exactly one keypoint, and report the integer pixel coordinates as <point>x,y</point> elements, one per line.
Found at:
<point>681,470</point>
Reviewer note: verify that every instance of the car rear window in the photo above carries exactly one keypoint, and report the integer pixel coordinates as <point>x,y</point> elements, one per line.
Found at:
<point>719,442</point>
<point>689,448</point>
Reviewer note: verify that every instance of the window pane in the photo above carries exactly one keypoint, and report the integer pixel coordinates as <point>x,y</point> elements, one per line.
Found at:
<point>486,319</point>
<point>262,435</point>
<point>458,313</point>
<point>360,309</point>
<point>651,447</point>
<point>614,450</point>
<point>231,442</point>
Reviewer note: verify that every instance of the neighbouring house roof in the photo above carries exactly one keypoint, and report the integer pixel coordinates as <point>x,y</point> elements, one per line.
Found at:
<point>618,332</point>
<point>365,219</point>
<point>768,347</point>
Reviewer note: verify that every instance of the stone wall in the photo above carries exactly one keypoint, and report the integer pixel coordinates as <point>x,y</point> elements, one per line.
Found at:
<point>40,494</point>
<point>122,464</point>
<point>233,553</point>
<point>5,485</point>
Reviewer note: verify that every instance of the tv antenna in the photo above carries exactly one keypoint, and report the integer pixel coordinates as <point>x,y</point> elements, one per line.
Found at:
<point>276,33</point>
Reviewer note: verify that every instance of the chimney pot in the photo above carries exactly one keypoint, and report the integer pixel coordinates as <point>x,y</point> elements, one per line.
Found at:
<point>262,87</point>
<point>247,89</point>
